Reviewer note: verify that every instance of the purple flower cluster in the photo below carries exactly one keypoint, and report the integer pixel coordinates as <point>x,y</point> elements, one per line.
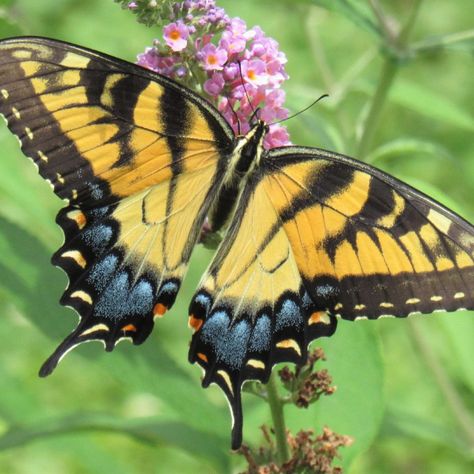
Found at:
<point>239,69</point>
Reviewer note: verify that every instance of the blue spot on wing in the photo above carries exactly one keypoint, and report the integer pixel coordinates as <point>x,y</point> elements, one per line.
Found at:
<point>325,291</point>
<point>215,328</point>
<point>234,348</point>
<point>289,315</point>
<point>97,237</point>
<point>141,298</point>
<point>95,191</point>
<point>169,287</point>
<point>261,335</point>
<point>113,298</point>
<point>203,300</point>
<point>306,301</point>
<point>118,300</point>
<point>98,212</point>
<point>230,344</point>
<point>102,271</point>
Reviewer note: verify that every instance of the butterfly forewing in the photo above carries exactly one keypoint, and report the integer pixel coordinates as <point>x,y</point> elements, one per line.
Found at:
<point>137,158</point>
<point>100,128</point>
<point>367,244</point>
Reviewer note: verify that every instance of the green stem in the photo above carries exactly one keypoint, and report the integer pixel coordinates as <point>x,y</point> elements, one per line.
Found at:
<point>387,32</point>
<point>389,70</point>
<point>278,417</point>
<point>453,400</point>
<point>387,75</point>
<point>406,30</point>
<point>443,41</point>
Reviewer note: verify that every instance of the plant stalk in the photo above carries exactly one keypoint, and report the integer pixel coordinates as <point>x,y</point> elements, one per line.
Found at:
<point>389,70</point>
<point>443,41</point>
<point>387,76</point>
<point>278,418</point>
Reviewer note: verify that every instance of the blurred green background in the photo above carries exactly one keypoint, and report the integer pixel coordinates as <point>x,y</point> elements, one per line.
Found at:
<point>405,387</point>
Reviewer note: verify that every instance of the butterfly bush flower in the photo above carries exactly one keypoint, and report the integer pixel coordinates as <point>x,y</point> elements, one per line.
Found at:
<point>238,69</point>
<point>176,36</point>
<point>212,57</point>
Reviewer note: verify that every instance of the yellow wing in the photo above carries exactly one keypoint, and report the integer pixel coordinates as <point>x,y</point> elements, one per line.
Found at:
<point>137,158</point>
<point>318,235</point>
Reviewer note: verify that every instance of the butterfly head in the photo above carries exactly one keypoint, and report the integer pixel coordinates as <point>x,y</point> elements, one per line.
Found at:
<point>258,131</point>
<point>249,148</point>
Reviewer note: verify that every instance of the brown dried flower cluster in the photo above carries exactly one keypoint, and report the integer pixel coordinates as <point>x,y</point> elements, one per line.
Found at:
<point>309,454</point>
<point>305,385</point>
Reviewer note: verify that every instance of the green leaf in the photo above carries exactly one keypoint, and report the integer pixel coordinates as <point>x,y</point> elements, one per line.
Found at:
<point>401,423</point>
<point>433,105</point>
<point>408,146</point>
<point>459,332</point>
<point>16,403</point>
<point>20,262</point>
<point>151,431</point>
<point>26,198</point>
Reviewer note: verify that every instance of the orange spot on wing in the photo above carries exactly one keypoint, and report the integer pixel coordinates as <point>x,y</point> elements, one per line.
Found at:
<point>194,323</point>
<point>129,327</point>
<point>202,357</point>
<point>159,310</point>
<point>316,317</point>
<point>81,220</point>
<point>79,217</point>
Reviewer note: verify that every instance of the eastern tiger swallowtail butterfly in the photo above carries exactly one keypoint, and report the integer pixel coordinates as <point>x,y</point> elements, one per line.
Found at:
<point>142,161</point>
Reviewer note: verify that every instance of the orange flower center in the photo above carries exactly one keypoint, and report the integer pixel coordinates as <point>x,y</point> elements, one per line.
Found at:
<point>251,75</point>
<point>211,59</point>
<point>174,35</point>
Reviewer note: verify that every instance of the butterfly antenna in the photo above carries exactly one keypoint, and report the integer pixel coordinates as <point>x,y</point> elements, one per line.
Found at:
<point>254,111</point>
<point>236,119</point>
<point>254,114</point>
<point>301,111</point>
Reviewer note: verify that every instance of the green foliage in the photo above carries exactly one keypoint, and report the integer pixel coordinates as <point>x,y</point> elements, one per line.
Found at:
<point>405,390</point>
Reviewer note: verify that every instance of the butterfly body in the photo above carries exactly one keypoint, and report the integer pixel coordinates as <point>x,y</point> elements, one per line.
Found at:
<point>244,160</point>
<point>308,235</point>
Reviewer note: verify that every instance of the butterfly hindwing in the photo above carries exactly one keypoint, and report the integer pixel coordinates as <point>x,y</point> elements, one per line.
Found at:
<point>252,308</point>
<point>318,235</point>
<point>137,158</point>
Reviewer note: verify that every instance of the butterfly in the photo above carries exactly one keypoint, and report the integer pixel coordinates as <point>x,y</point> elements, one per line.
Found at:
<point>143,163</point>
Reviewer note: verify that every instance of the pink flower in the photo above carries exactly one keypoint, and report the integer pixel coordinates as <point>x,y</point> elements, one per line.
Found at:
<point>277,136</point>
<point>255,72</point>
<point>240,70</point>
<point>232,43</point>
<point>176,35</point>
<point>231,71</point>
<point>151,59</point>
<point>237,26</point>
<point>240,92</point>
<point>258,49</point>
<point>212,58</point>
<point>214,85</point>
<point>275,98</point>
